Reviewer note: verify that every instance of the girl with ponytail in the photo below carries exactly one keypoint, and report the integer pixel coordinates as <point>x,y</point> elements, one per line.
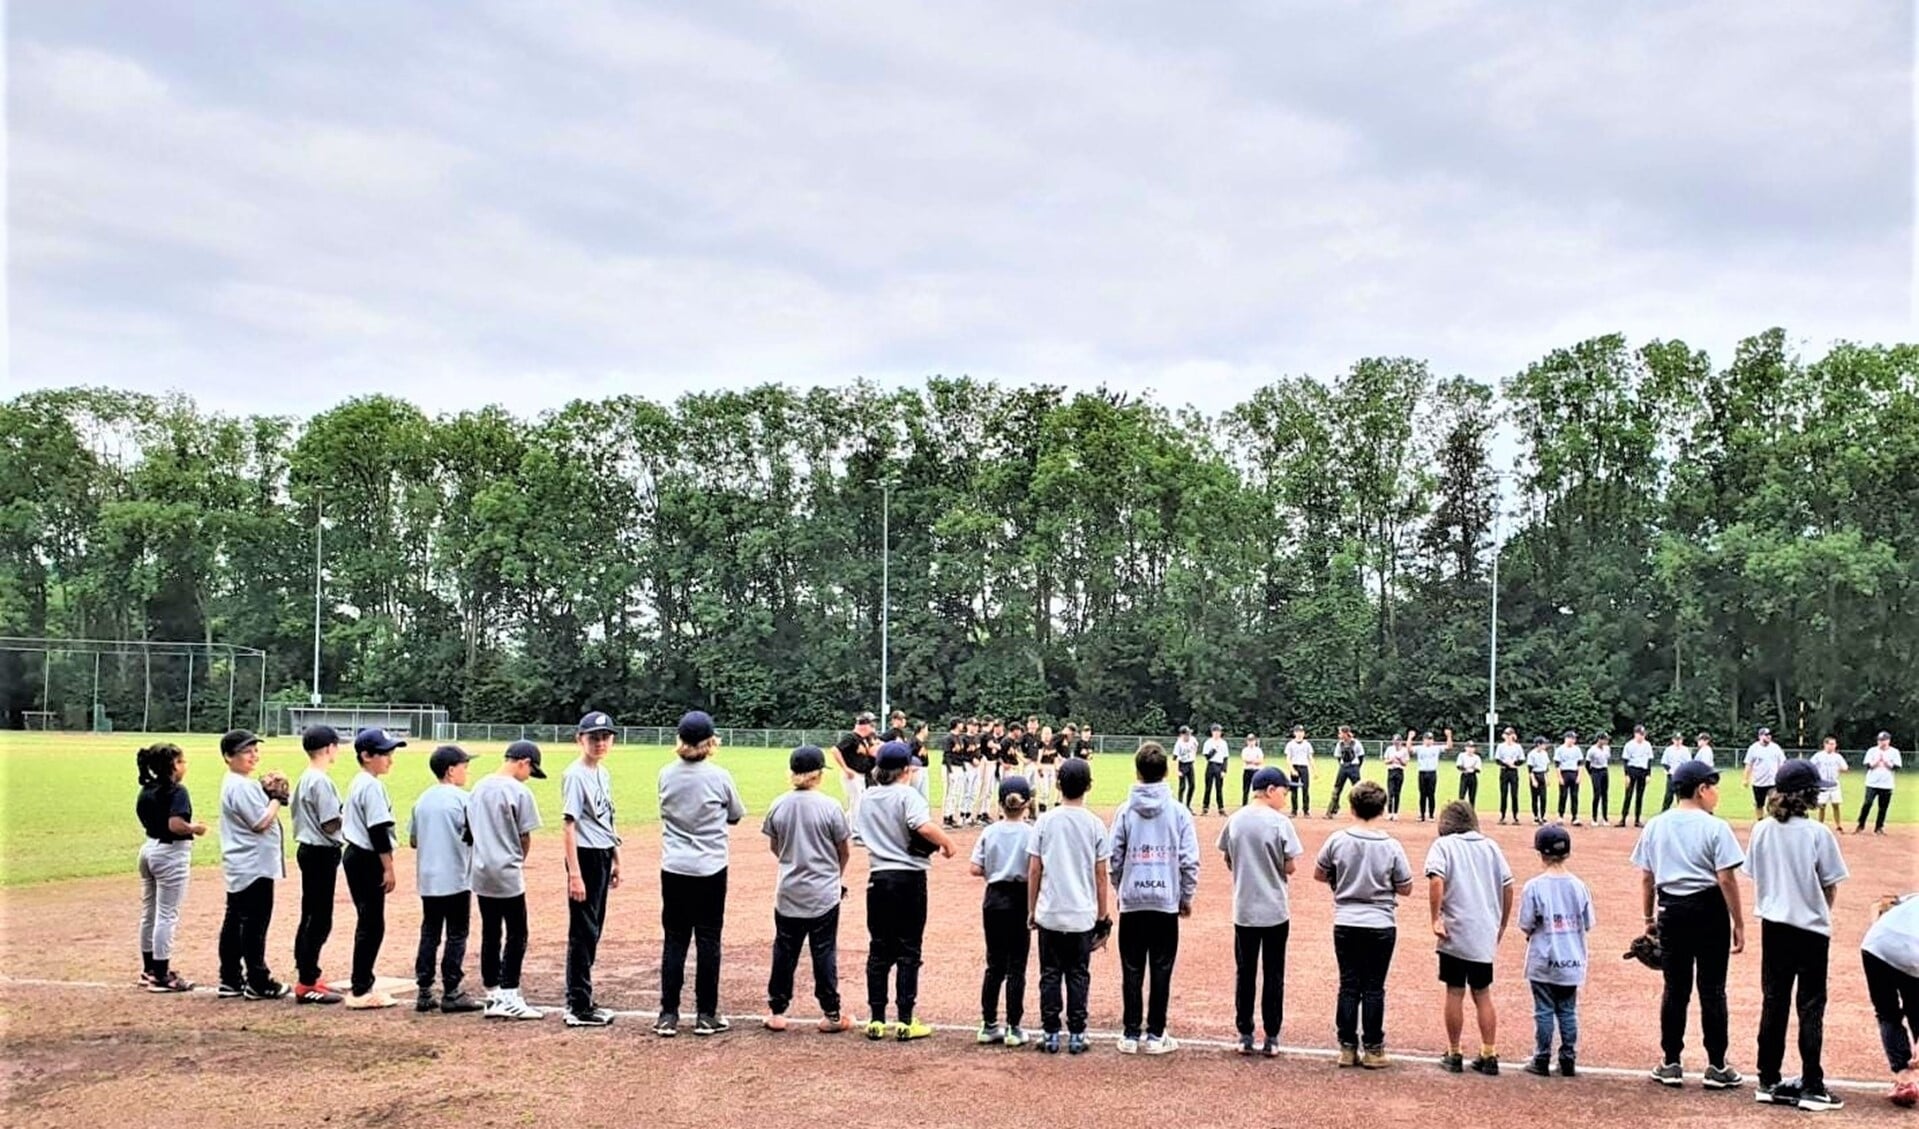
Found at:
<point>165,811</point>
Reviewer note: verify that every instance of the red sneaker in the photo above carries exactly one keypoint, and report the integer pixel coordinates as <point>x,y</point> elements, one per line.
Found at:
<point>1905,1095</point>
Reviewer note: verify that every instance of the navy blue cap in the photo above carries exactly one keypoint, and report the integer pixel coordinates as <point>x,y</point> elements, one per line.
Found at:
<point>596,722</point>
<point>805,759</point>
<point>316,737</point>
<point>1015,786</point>
<point>1553,841</point>
<point>529,752</point>
<point>895,755</point>
<point>1270,777</point>
<point>1798,776</point>
<point>1693,773</point>
<point>1077,772</point>
<point>444,758</point>
<point>695,726</point>
<point>375,741</point>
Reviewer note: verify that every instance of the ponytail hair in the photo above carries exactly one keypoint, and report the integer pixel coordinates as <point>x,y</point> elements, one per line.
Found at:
<point>156,765</point>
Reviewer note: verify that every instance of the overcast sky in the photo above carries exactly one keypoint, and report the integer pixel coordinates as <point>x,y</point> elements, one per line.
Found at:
<point>466,203</point>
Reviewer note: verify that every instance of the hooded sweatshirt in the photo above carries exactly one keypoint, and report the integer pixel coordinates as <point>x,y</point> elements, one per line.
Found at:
<point>1155,860</point>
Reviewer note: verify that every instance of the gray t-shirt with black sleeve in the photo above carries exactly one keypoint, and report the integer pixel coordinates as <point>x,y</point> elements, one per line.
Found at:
<point>806,829</point>
<point>500,810</point>
<point>367,806</point>
<point>438,830</point>
<point>1685,849</point>
<point>586,800</point>
<point>315,803</point>
<point>1367,868</point>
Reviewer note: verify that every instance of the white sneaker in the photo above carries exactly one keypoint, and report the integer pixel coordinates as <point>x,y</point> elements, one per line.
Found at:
<point>1158,1045</point>
<point>1128,1046</point>
<point>512,1005</point>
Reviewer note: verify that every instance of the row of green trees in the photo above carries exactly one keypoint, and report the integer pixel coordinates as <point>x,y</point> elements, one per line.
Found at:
<point>1683,543</point>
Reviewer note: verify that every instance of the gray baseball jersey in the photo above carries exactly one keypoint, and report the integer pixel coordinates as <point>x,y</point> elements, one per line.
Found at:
<point>1257,841</point>
<point>586,800</point>
<point>315,803</point>
<point>367,806</point>
<point>1475,872</point>
<point>1069,842</point>
<point>500,810</point>
<point>806,829</point>
<point>247,855</point>
<point>698,802</point>
<point>438,830</point>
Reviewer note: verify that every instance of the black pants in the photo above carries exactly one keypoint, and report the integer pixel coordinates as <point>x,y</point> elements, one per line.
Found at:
<point>584,922</point>
<point>1246,785</point>
<point>1428,795</point>
<point>1602,795</point>
<point>1883,796</point>
<point>1895,1004</point>
<point>896,928</point>
<point>1395,784</point>
<point>1347,774</point>
<point>1364,956</point>
<point>1508,792</point>
<point>1568,791</point>
<point>243,935</point>
<point>451,914</point>
<point>1186,783</point>
<point>1302,790</point>
<point>501,958</point>
<point>1792,974</point>
<point>693,915</point>
<point>1008,944</point>
<point>1065,959</point>
<point>1666,803</point>
<point>822,936</point>
<point>1759,794</point>
<point>1215,786</point>
<point>1148,940</point>
<point>1260,950</point>
<point>1537,795</point>
<point>366,882</point>
<point>319,877</point>
<point>1697,935</point>
<point>1632,805</point>
<point>1469,788</point>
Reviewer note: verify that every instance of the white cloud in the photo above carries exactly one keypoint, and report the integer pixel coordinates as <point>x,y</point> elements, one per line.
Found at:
<point>523,204</point>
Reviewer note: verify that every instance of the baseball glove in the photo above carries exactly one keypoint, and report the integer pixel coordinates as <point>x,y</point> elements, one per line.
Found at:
<point>1102,929</point>
<point>275,785</point>
<point>1647,950</point>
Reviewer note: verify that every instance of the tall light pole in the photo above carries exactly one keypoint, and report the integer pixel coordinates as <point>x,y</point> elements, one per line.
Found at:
<point>1492,633</point>
<point>886,556</point>
<point>319,524</point>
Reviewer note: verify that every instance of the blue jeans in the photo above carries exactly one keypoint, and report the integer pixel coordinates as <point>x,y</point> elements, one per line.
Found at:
<point>1555,1003</point>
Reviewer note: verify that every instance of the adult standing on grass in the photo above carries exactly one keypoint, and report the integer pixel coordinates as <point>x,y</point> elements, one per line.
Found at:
<point>1689,861</point>
<point>1675,755</point>
<point>165,811</point>
<point>1348,754</point>
<point>1426,760</point>
<point>1539,759</point>
<point>592,855</point>
<point>1368,872</point>
<point>1217,752</point>
<point>698,802</point>
<point>1299,758</point>
<point>1509,755</point>
<point>1154,866</point>
<point>897,829</point>
<point>503,816</point>
<point>808,833</point>
<point>853,756</point>
<point>1890,953</point>
<point>1262,849</point>
<point>1763,759</point>
<point>1637,759</point>
<point>251,859</point>
<point>1832,797</point>
<point>1470,895</point>
<point>317,812</point>
<point>1185,756</point>
<point>1796,871</point>
<point>368,823</point>
<point>1881,760</point>
<point>441,836</point>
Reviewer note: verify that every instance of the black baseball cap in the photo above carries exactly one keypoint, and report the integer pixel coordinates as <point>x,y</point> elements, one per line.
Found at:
<point>1015,786</point>
<point>235,740</point>
<point>1553,841</point>
<point>316,737</point>
<point>1797,776</point>
<point>1694,773</point>
<point>805,759</point>
<point>1570,735</point>
<point>1218,728</point>
<point>865,718</point>
<point>529,752</point>
<point>596,722</point>
<point>695,726</point>
<point>1076,771</point>
<point>376,742</point>
<point>444,758</point>
<point>1270,777</point>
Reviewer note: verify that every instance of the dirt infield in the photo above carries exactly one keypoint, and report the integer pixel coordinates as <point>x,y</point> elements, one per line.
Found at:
<point>79,1055</point>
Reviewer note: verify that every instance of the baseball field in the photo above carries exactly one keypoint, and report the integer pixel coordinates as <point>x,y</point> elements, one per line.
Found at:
<point>85,1047</point>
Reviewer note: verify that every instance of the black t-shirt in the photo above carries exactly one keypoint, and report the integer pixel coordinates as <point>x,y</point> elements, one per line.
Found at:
<point>1082,748</point>
<point>953,754</point>
<point>854,752</point>
<point>155,808</point>
<point>1049,752</point>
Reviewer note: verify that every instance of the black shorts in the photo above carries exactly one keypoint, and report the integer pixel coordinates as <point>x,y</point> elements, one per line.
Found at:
<point>1457,973</point>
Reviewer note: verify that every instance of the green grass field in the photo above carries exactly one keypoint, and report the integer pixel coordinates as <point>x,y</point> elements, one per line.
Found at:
<point>66,809</point>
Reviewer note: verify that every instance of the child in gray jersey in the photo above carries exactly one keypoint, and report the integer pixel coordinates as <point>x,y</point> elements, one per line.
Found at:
<point>1470,894</point>
<point>438,832</point>
<point>894,824</point>
<point>317,810</point>
<point>1368,871</point>
<point>502,817</point>
<point>1067,902</point>
<point>808,833</point>
<point>1555,914</point>
<point>1000,856</point>
<point>697,804</point>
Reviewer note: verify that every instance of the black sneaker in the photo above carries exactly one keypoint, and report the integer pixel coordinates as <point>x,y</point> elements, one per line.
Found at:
<point>231,992</point>
<point>270,990</point>
<point>1567,1067</point>
<point>1817,1100</point>
<point>456,1003</point>
<point>1487,1065</point>
<point>424,1002</point>
<point>667,1025</point>
<point>1452,1063</point>
<point>597,1017</point>
<point>1721,1078</point>
<point>1540,1066</point>
<point>711,1025</point>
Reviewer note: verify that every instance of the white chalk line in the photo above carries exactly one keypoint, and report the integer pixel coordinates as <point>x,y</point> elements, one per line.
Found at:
<point>396,986</point>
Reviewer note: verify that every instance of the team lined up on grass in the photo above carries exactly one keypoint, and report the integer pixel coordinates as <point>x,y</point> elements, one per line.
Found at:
<point>1056,877</point>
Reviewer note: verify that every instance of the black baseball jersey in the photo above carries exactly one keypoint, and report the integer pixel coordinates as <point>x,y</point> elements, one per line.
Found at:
<point>857,754</point>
